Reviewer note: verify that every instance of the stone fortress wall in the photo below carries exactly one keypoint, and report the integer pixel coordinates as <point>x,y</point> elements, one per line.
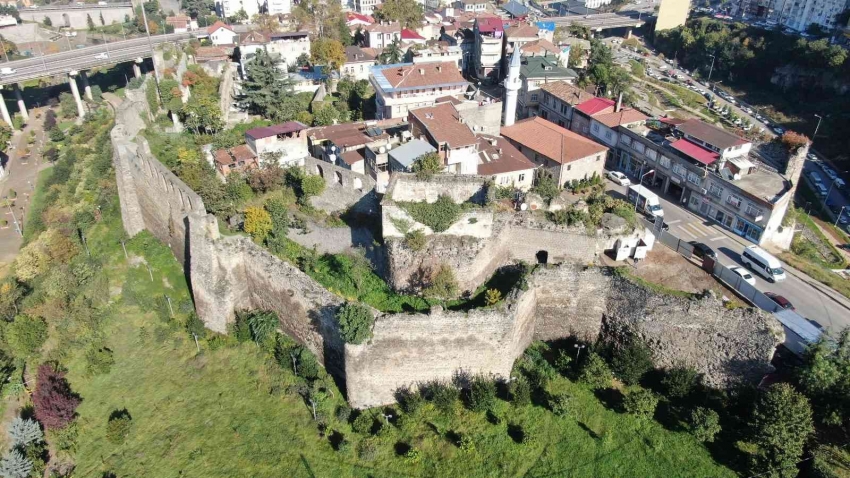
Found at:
<point>232,273</point>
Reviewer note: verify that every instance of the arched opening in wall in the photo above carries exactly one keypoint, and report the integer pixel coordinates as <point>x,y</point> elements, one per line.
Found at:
<point>319,171</point>
<point>358,184</point>
<point>542,257</point>
<point>67,20</point>
<point>337,177</point>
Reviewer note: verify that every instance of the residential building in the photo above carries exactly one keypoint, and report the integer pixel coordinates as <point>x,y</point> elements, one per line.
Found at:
<point>517,35</point>
<point>472,6</point>
<point>278,7</point>
<point>504,163</point>
<point>569,44</point>
<point>308,80</point>
<point>672,14</point>
<point>358,63</point>
<point>238,159</point>
<point>563,154</point>
<point>181,23</point>
<point>464,38</point>
<point>797,15</point>
<point>401,87</point>
<point>515,9</point>
<point>584,111</point>
<point>401,159</point>
<point>409,37</point>
<point>534,72</point>
<point>286,141</point>
<point>367,7</point>
<point>558,101</point>
<point>442,126</point>
<point>229,8</point>
<point>353,20</point>
<point>439,52</point>
<point>544,47</point>
<point>596,3</point>
<point>221,34</point>
<point>288,46</point>
<point>348,145</point>
<point>354,160</point>
<point>487,53</point>
<point>709,171</point>
<point>381,35</point>
<point>250,42</point>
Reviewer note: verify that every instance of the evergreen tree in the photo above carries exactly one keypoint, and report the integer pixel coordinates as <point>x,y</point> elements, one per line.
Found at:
<point>89,22</point>
<point>268,91</point>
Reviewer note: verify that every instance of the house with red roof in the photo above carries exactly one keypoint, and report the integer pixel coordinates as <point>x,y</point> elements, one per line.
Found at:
<point>353,20</point>
<point>285,142</point>
<point>403,87</point>
<point>238,159</point>
<point>599,119</point>
<point>411,37</point>
<point>221,34</point>
<point>487,51</point>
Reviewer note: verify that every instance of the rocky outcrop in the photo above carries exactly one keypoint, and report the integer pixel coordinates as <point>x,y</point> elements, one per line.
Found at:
<point>793,76</point>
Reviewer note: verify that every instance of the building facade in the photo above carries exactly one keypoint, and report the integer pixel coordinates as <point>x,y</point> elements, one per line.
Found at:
<point>535,72</point>
<point>487,52</point>
<point>405,86</point>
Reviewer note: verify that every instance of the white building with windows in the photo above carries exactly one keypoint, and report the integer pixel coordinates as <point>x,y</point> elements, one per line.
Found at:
<point>406,86</point>
<point>288,46</point>
<point>358,63</point>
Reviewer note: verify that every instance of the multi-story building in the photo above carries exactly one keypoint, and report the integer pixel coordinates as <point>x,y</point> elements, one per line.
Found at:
<point>442,126</point>
<point>229,8</point>
<point>794,14</point>
<point>558,101</point>
<point>367,7</point>
<point>487,53</point>
<point>565,155</point>
<point>221,34</point>
<point>278,7</point>
<point>504,163</point>
<point>516,36</point>
<point>441,52</point>
<point>358,63</point>
<point>405,86</point>
<point>288,46</point>
<point>709,171</point>
<point>672,13</point>
<point>287,142</point>
<point>381,35</point>
<point>534,72</point>
<point>471,6</point>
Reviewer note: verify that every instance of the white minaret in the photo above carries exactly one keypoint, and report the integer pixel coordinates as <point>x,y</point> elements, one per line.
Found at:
<point>512,84</point>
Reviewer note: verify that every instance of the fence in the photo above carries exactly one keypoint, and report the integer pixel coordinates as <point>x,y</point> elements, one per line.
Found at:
<point>799,331</point>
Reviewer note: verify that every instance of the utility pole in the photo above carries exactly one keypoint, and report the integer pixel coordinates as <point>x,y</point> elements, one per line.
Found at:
<point>150,47</point>
<point>710,69</point>
<point>820,118</point>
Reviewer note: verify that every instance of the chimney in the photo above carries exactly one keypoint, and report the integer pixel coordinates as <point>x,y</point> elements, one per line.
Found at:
<point>439,68</point>
<point>422,71</point>
<point>619,103</point>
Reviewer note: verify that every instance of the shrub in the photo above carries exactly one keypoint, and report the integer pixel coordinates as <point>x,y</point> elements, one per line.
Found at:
<point>704,424</point>
<point>546,187</point>
<point>781,425</point>
<point>343,413</point>
<point>679,381</point>
<point>55,404</point>
<point>344,446</point>
<point>442,395</point>
<point>595,372</point>
<point>492,297</point>
<point>258,223</point>
<point>482,393</point>
<point>427,165</point>
<point>263,325</point>
<point>25,335</point>
<point>355,322</point>
<point>99,361</point>
<point>439,215</point>
<point>56,135</point>
<point>312,185</point>
<point>466,443</point>
<point>568,217</point>
<point>49,120</point>
<point>415,240</point>
<point>443,284</point>
<point>631,362</point>
<point>368,449</point>
<point>118,426</point>
<point>24,431</point>
<point>640,402</point>
<point>563,362</point>
<point>410,401</point>
<point>413,456</point>
<point>830,462</point>
<point>559,404</point>
<point>15,465</point>
<point>794,141</point>
<point>363,424</point>
<point>520,391</point>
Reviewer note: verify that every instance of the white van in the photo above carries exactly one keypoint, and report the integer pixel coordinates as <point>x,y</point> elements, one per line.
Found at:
<point>758,260</point>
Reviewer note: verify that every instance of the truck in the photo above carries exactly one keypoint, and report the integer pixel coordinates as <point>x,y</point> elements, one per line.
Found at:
<point>645,200</point>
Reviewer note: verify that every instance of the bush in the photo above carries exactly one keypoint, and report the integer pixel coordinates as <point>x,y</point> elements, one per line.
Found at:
<point>312,185</point>
<point>492,297</point>
<point>466,443</point>
<point>49,120</point>
<point>640,402</point>
<point>368,449</point>
<point>568,217</point>
<point>427,165</point>
<point>520,391</point>
<point>595,372</point>
<point>135,83</point>
<point>118,426</point>
<point>482,393</point>
<point>15,465</point>
<point>443,284</point>
<point>55,404</point>
<point>263,325</point>
<point>25,335</point>
<point>679,381</point>
<point>56,135</point>
<point>355,322</point>
<point>559,404</point>
<point>410,401</point>
<point>830,462</point>
<point>631,362</point>
<point>363,424</point>
<point>415,240</point>
<point>794,141</point>
<point>439,215</point>
<point>546,187</point>
<point>704,424</point>
<point>99,361</point>
<point>258,223</point>
<point>413,456</point>
<point>442,395</point>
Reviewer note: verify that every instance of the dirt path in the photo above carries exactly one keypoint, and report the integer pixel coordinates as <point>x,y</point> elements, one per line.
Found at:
<point>836,240</point>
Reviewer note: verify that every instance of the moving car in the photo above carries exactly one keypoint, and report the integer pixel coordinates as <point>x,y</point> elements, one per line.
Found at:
<point>782,302</point>
<point>645,201</point>
<point>101,56</point>
<point>748,278</point>
<point>702,251</point>
<point>760,261</point>
<point>619,178</point>
<point>7,71</point>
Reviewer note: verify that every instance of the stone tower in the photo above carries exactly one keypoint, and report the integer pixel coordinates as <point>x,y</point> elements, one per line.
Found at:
<point>512,84</point>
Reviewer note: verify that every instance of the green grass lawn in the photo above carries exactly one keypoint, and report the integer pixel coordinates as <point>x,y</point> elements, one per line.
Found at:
<point>38,202</point>
<point>64,125</point>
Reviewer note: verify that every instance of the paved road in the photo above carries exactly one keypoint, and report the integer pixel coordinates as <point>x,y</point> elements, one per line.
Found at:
<point>602,21</point>
<point>812,299</point>
<point>60,63</point>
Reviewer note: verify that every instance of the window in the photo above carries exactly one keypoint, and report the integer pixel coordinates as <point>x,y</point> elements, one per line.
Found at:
<point>639,147</point>
<point>679,169</point>
<point>715,190</point>
<point>665,161</point>
<point>608,134</point>
<point>544,114</point>
<point>534,97</point>
<point>561,123</point>
<point>733,200</point>
<point>694,178</point>
<point>625,140</point>
<point>753,211</point>
<point>521,177</point>
<point>599,157</point>
<point>651,154</point>
<point>595,128</point>
<point>564,108</point>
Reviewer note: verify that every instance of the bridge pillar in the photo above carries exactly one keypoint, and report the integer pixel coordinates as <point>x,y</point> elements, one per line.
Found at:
<point>5,112</point>
<point>86,86</point>
<point>22,107</point>
<point>75,90</point>
<point>628,34</point>
<point>137,70</point>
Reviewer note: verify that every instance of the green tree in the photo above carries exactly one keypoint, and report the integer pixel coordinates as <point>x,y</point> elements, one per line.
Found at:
<point>546,187</point>
<point>102,21</point>
<point>355,322</point>
<point>268,92</point>
<point>781,425</point>
<point>443,284</point>
<point>67,105</point>
<point>640,402</point>
<point>326,51</point>
<point>89,22</point>
<point>408,13</point>
<point>595,372</point>
<point>679,381</point>
<point>312,185</point>
<point>326,115</point>
<point>392,54</point>
<point>427,165</point>
<point>118,426</point>
<point>631,362</point>
<point>704,424</point>
<point>47,21</point>
<point>5,136</point>
<point>197,7</point>
<point>202,114</point>
<point>25,335</point>
<point>258,223</point>
<point>482,393</point>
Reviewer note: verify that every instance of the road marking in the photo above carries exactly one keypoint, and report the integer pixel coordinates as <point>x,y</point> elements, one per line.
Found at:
<point>717,238</point>
<point>674,222</point>
<point>686,232</point>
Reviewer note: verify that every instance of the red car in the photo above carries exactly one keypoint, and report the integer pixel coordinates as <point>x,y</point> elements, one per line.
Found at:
<point>782,302</point>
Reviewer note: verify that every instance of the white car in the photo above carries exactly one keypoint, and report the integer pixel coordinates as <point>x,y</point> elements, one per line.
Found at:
<point>101,56</point>
<point>7,71</point>
<point>70,34</point>
<point>748,278</point>
<point>619,178</point>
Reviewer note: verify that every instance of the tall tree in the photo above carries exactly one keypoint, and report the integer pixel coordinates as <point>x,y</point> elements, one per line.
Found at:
<point>326,51</point>
<point>197,7</point>
<point>407,12</point>
<point>89,22</point>
<point>202,114</point>
<point>324,16</point>
<point>55,404</point>
<point>781,426</point>
<point>392,53</point>
<point>268,90</point>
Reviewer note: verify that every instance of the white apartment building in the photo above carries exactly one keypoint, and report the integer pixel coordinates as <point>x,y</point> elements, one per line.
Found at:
<point>381,35</point>
<point>358,63</point>
<point>288,46</point>
<point>442,126</point>
<point>403,87</point>
<point>287,141</point>
<point>439,53</point>
<point>366,7</point>
<point>472,6</point>
<point>229,8</point>
<point>487,53</point>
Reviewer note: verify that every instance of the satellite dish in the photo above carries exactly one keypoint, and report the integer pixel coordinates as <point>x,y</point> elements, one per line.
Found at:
<point>523,207</point>
<point>332,157</point>
<point>382,150</point>
<point>333,148</point>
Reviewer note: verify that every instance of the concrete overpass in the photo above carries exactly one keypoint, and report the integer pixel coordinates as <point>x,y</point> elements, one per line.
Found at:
<point>76,17</point>
<point>75,63</point>
<point>603,21</point>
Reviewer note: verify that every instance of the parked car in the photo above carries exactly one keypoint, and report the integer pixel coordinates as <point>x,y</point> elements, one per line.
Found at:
<point>7,71</point>
<point>701,250</point>
<point>619,178</point>
<point>829,172</point>
<point>779,130</point>
<point>744,274</point>
<point>782,302</point>
<point>101,56</point>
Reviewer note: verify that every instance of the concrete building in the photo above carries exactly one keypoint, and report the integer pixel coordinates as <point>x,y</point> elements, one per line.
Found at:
<point>565,155</point>
<point>181,23</point>
<point>569,44</point>
<point>405,86</point>
<point>366,7</point>
<point>797,15</point>
<point>471,6</point>
<point>442,126</point>
<point>516,36</point>
<point>558,101</point>
<point>358,63</point>
<point>401,159</point>
<point>229,8</point>
<point>672,14</point>
<point>487,53</point>
<point>288,46</point>
<point>441,52</point>
<point>286,141</point>
<point>410,37</point>
<point>381,35</point>
<point>221,34</point>
<point>239,159</point>
<point>279,7</point>
<point>709,171</point>
<point>504,163</point>
<point>535,72</point>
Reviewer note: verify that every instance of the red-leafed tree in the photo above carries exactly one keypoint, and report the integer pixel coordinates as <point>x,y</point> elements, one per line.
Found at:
<point>54,402</point>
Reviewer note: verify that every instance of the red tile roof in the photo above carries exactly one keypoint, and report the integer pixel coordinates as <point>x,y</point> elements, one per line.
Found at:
<point>692,150</point>
<point>596,105</point>
<point>274,130</point>
<point>353,157</point>
<point>500,158</point>
<point>539,47</point>
<point>624,116</point>
<point>566,92</point>
<point>522,31</point>
<point>225,157</point>
<point>490,24</point>
<point>408,34</point>
<point>352,16</point>
<point>551,140</point>
<point>423,74</point>
<point>215,26</point>
<point>443,123</point>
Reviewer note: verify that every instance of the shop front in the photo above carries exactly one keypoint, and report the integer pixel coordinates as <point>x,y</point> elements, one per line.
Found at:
<point>747,229</point>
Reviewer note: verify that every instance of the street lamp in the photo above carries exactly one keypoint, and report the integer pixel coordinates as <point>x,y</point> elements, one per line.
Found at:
<point>578,348</point>
<point>641,175</point>
<point>820,118</point>
<point>710,69</point>
<point>839,216</point>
